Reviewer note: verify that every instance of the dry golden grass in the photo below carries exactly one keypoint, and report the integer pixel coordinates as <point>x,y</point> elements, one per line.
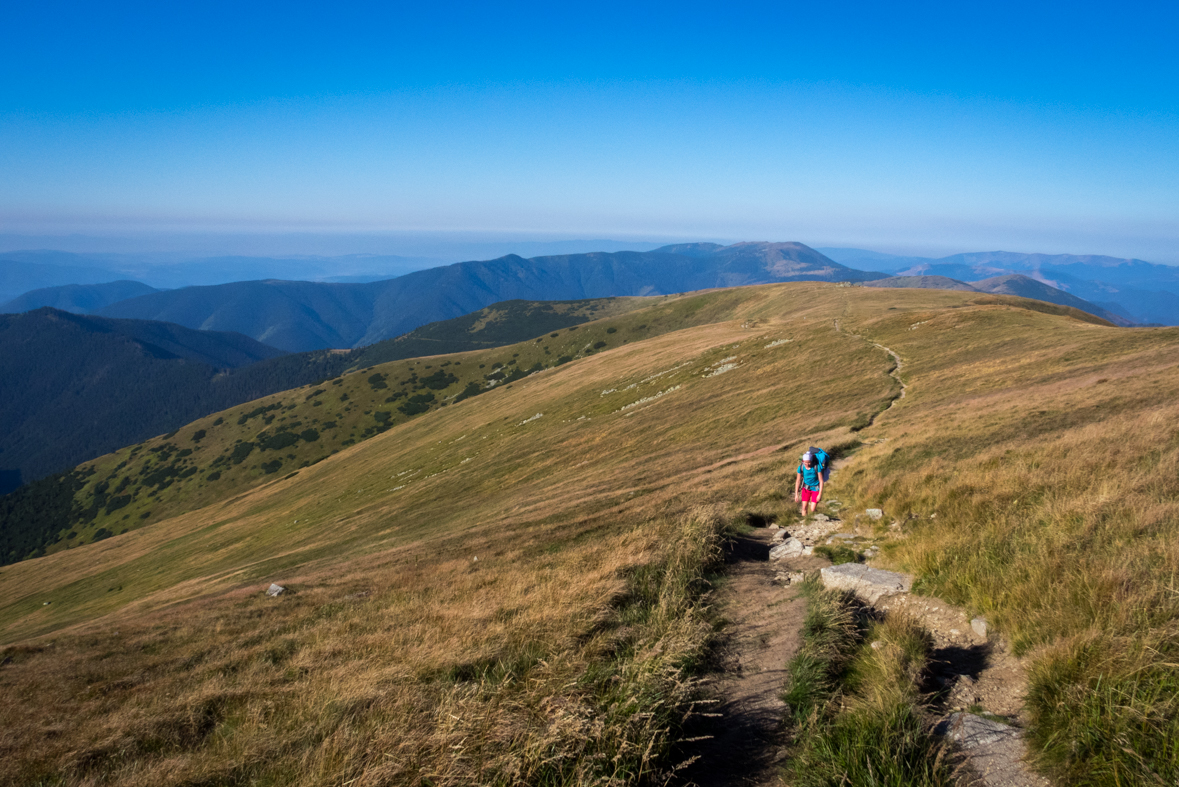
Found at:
<point>565,652</point>
<point>1035,468</point>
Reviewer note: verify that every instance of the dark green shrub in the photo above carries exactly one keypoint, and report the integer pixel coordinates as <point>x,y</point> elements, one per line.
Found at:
<point>278,442</point>
<point>240,452</point>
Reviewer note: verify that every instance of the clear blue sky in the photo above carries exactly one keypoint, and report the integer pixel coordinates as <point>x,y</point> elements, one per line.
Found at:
<point>919,126</point>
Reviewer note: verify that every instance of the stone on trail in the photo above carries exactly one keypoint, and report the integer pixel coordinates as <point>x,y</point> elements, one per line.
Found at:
<point>791,547</point>
<point>874,514</point>
<point>870,584</point>
<point>994,751</point>
<point>841,537</point>
<point>980,627</point>
<point>274,590</point>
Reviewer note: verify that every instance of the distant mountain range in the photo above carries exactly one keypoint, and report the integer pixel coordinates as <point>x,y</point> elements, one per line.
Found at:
<point>299,316</point>
<point>22,271</point>
<point>77,298</point>
<point>1137,291</point>
<point>76,387</point>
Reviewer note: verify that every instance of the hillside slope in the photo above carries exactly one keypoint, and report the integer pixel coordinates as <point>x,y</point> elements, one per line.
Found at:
<point>75,386</point>
<point>511,587</point>
<point>63,410</point>
<point>299,316</point>
<point>922,282</point>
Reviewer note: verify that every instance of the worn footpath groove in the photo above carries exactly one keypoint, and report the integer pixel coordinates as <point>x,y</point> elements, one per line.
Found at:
<point>764,618</point>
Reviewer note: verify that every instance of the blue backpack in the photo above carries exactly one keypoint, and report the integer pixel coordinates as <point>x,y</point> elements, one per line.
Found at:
<point>822,460</point>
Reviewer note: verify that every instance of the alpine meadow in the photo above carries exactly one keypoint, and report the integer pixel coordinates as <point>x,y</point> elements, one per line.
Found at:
<point>501,565</point>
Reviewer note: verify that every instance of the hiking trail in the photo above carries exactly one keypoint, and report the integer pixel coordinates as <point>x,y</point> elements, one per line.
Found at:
<point>746,740</point>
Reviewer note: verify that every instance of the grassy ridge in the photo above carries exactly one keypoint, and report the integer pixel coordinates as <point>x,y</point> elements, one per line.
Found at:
<point>1035,467</point>
<point>236,449</point>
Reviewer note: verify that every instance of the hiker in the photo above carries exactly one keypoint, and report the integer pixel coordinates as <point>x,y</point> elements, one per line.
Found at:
<point>808,484</point>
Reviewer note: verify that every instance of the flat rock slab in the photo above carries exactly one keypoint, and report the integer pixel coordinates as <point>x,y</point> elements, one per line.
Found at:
<point>870,584</point>
<point>995,751</point>
<point>790,547</point>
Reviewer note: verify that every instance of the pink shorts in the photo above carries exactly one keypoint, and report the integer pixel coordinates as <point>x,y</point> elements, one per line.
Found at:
<point>809,495</point>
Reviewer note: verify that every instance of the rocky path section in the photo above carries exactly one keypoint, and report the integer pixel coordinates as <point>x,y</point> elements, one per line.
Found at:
<point>978,685</point>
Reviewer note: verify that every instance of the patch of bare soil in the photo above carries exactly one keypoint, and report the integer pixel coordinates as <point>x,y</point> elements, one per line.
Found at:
<point>742,743</point>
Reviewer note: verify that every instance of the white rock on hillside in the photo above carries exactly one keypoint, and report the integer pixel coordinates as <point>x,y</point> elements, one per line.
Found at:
<point>275,590</point>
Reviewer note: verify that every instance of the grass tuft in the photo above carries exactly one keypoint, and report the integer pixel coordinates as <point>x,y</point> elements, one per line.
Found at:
<point>856,709</point>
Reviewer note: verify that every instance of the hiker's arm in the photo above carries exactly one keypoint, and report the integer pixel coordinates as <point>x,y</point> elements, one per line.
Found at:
<point>797,484</point>
<point>820,497</point>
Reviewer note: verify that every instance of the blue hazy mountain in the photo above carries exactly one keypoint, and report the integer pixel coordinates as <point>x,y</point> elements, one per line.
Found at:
<point>1136,290</point>
<point>296,316</point>
<point>1026,287</point>
<point>77,298</point>
<point>23,271</point>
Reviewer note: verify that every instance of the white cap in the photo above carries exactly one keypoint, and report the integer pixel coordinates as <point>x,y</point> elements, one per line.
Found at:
<point>808,457</point>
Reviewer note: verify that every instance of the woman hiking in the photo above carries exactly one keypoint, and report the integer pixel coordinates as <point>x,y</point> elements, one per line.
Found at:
<point>808,484</point>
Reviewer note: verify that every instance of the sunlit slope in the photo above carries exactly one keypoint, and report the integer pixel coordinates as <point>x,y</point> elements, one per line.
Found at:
<point>617,424</point>
<point>506,589</point>
<point>478,595</point>
<point>226,452</point>
<point>1033,468</point>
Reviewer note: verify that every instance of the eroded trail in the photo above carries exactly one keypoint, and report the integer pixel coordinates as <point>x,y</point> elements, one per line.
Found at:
<point>763,631</point>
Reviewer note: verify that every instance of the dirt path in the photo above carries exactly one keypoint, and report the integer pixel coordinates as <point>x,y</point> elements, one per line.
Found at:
<point>764,622</point>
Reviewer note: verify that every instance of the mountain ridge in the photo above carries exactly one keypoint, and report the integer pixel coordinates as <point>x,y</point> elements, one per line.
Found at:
<point>1138,291</point>
<point>300,315</point>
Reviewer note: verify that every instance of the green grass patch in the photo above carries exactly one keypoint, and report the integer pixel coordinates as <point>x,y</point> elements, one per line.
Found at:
<point>1107,712</point>
<point>856,709</point>
<point>839,554</point>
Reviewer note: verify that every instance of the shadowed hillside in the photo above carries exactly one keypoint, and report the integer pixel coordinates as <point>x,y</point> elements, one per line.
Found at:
<point>512,588</point>
<point>1024,287</point>
<point>79,387</point>
<point>76,386</point>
